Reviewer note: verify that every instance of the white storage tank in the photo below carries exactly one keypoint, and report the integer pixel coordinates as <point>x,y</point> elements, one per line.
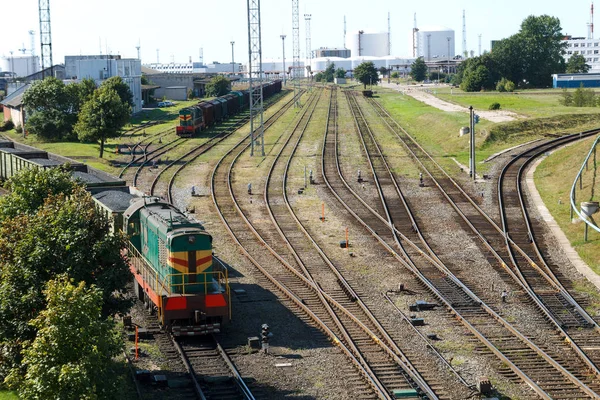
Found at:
<point>20,65</point>
<point>368,44</point>
<point>435,42</point>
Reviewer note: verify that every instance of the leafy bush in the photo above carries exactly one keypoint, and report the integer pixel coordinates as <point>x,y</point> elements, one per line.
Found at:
<point>7,126</point>
<point>504,85</point>
<point>395,75</point>
<point>494,106</point>
<point>19,128</point>
<point>581,97</point>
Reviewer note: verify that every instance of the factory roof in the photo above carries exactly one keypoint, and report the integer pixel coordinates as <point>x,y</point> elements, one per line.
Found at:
<point>15,99</point>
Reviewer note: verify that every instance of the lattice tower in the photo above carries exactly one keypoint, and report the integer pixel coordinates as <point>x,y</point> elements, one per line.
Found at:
<point>296,49</point>
<point>45,38</point>
<point>255,74</point>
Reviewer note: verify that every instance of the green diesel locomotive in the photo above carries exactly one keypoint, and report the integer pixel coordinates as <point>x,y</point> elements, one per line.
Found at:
<point>171,259</point>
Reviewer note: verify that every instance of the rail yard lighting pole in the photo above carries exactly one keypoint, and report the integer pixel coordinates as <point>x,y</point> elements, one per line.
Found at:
<point>448,39</point>
<point>472,147</point>
<point>283,50</point>
<point>232,59</point>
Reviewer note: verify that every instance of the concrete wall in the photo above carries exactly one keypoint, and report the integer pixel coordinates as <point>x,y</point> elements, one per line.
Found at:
<point>176,93</point>
<point>168,80</point>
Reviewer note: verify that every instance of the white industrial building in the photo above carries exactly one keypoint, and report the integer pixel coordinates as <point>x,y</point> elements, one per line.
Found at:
<point>101,67</point>
<point>273,68</point>
<point>368,44</point>
<point>20,65</point>
<point>434,43</point>
<point>587,47</point>
<point>195,68</point>
<point>392,63</point>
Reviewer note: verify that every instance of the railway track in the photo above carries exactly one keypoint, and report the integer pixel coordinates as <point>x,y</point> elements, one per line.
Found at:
<point>213,373</point>
<point>306,299</point>
<point>568,319</point>
<point>524,357</point>
<point>537,270</point>
<point>162,184</point>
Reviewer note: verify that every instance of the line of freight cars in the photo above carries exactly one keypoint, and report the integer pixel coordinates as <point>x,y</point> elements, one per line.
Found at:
<point>206,113</point>
<point>170,255</point>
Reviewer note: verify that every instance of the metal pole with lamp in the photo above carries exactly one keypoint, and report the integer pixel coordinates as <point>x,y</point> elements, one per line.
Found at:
<point>232,59</point>
<point>283,50</point>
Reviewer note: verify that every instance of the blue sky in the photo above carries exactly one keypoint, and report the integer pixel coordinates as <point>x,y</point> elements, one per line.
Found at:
<point>180,28</point>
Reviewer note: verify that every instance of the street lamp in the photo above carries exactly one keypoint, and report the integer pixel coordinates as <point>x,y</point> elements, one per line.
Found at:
<point>283,49</point>
<point>232,59</point>
<point>448,39</point>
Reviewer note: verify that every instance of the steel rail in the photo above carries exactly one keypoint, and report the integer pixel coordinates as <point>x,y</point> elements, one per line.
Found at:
<point>281,287</point>
<point>537,151</point>
<point>510,271</point>
<point>189,369</point>
<point>436,293</point>
<point>507,326</point>
<point>398,356</point>
<point>237,377</point>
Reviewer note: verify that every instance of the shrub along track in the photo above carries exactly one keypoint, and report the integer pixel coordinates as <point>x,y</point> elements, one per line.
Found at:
<point>526,359</point>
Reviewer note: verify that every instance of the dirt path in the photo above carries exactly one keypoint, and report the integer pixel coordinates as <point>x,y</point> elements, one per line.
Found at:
<point>429,99</point>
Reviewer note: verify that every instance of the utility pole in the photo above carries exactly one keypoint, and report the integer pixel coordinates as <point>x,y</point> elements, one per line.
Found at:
<point>257,128</point>
<point>389,35</point>
<point>32,51</point>
<point>448,39</point>
<point>307,18</point>
<point>157,57</point>
<point>415,38</point>
<point>232,59</point>
<point>429,47</point>
<point>283,51</point>
<point>480,44</point>
<point>472,147</point>
<point>296,50</point>
<point>464,41</point>
<point>345,32</point>
<point>138,47</point>
<point>45,37</point>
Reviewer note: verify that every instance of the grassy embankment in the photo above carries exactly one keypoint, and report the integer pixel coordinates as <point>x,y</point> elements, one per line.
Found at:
<point>554,178</point>
<point>6,395</point>
<point>438,130</point>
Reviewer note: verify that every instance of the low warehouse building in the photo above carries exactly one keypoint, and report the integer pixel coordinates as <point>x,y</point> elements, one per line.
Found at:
<point>575,80</point>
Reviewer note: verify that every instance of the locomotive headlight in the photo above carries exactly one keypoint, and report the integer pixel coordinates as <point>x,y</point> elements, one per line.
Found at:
<point>191,239</point>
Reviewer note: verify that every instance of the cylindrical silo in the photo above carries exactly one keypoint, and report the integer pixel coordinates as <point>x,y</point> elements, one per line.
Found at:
<point>435,42</point>
<point>368,44</point>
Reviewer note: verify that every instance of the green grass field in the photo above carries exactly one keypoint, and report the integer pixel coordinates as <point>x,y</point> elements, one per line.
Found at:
<point>6,395</point>
<point>528,103</point>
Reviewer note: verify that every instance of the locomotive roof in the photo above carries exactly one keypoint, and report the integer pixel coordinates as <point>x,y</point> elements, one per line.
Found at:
<point>170,216</point>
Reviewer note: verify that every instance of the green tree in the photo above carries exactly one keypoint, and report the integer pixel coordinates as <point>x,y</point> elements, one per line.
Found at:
<point>577,64</point>
<point>477,73</point>
<point>72,354</point>
<point>475,80</point>
<point>329,73</point>
<point>67,235</point>
<point>320,77</point>
<point>218,86</point>
<point>418,70</point>
<point>340,73</point>
<point>543,49</point>
<point>118,85</point>
<point>83,90</point>
<point>366,73</point>
<point>102,117</point>
<point>29,189</point>
<point>51,109</point>
<point>395,75</point>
